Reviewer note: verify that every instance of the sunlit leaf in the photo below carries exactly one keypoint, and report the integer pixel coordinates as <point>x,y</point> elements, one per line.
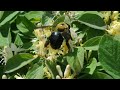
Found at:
<point>18,40</point>
<point>91,68</point>
<point>52,68</point>
<point>34,14</point>
<point>18,61</point>
<point>92,20</point>
<point>8,18</point>
<point>36,72</point>
<point>92,44</point>
<point>76,59</point>
<point>25,26</point>
<point>5,35</point>
<point>1,14</point>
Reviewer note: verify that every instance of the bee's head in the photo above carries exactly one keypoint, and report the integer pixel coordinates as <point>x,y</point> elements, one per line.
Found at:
<point>62,26</point>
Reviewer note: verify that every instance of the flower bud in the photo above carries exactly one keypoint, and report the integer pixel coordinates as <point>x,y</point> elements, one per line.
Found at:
<point>58,77</point>
<point>59,70</point>
<point>18,77</point>
<point>4,77</point>
<point>67,71</point>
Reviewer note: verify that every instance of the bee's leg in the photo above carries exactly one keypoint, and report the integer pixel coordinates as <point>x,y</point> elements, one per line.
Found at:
<point>67,44</point>
<point>70,45</point>
<point>46,43</point>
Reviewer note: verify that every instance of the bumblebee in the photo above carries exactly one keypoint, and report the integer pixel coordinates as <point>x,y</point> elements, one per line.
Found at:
<point>62,32</point>
<point>51,42</point>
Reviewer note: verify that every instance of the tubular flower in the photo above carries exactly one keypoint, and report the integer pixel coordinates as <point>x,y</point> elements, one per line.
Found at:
<point>40,42</point>
<point>106,15</point>
<point>114,15</point>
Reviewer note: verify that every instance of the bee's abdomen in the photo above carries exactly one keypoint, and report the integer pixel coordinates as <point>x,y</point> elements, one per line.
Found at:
<point>56,40</point>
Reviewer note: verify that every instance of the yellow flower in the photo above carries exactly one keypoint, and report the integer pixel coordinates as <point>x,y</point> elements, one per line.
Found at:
<point>114,15</point>
<point>106,15</point>
<point>114,28</point>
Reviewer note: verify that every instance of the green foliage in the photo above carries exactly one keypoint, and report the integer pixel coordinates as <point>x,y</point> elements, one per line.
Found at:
<point>76,59</point>
<point>95,53</point>
<point>109,54</point>
<point>22,60</point>
<point>92,44</point>
<point>35,72</point>
<point>52,68</point>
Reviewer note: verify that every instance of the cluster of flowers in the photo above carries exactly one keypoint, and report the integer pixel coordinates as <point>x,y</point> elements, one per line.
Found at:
<point>48,52</point>
<point>111,18</point>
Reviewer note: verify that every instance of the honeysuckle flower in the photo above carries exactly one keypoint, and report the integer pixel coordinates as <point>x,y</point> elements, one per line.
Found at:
<point>114,15</point>
<point>114,28</point>
<point>47,73</point>
<point>106,15</point>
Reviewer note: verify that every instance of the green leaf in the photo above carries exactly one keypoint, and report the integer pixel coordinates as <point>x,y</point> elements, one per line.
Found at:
<point>5,14</point>
<point>90,33</point>
<point>18,40</point>
<point>87,31</point>
<point>92,20</point>
<point>101,75</point>
<point>5,35</point>
<point>58,20</point>
<point>67,20</point>
<point>96,75</point>
<point>52,68</point>
<point>18,61</point>
<point>76,59</point>
<point>95,12</point>
<point>91,68</point>
<point>109,55</point>
<point>8,18</point>
<point>1,14</point>
<point>7,53</point>
<point>46,20</point>
<point>27,45</point>
<point>92,44</point>
<point>9,37</point>
<point>1,71</point>
<point>35,72</point>
<point>34,14</point>
<point>78,14</point>
<point>25,26</point>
